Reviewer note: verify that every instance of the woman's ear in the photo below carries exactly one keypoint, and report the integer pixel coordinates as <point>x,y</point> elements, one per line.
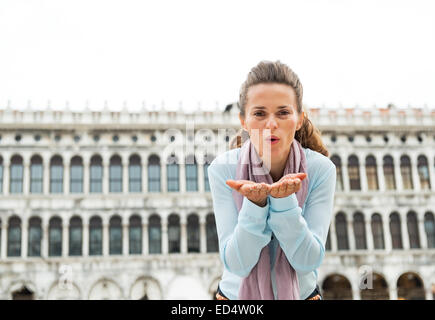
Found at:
<point>242,121</point>
<point>300,121</point>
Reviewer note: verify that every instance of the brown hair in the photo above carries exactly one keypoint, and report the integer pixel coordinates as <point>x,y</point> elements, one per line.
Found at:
<point>277,72</point>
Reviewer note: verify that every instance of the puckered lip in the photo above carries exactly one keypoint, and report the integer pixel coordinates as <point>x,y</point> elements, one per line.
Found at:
<point>272,137</point>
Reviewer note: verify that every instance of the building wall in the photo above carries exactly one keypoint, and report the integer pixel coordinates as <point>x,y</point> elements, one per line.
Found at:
<point>194,275</point>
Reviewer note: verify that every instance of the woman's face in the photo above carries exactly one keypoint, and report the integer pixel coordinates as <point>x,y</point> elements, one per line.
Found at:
<point>271,112</point>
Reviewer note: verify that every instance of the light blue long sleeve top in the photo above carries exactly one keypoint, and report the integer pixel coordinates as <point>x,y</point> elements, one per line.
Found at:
<point>301,232</point>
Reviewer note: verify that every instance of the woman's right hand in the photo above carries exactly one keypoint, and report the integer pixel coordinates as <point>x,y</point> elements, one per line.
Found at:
<point>290,183</point>
<point>255,192</point>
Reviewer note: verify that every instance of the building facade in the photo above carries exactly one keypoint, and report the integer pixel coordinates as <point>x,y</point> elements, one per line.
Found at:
<point>116,205</point>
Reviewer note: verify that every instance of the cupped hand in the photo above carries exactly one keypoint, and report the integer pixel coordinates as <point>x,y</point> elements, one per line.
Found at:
<point>290,183</point>
<point>255,192</point>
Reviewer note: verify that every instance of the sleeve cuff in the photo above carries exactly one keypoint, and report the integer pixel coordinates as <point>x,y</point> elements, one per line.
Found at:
<point>253,212</point>
<point>283,204</point>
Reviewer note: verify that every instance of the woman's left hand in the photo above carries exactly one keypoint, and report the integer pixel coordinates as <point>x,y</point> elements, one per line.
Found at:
<point>290,183</point>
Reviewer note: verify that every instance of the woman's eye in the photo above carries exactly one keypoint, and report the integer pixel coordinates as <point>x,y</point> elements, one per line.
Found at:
<point>258,114</point>
<point>284,112</point>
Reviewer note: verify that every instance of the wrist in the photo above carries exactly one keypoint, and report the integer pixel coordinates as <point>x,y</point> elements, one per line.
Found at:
<point>261,203</point>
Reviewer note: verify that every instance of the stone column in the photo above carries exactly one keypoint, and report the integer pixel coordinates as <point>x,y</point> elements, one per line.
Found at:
<point>4,239</point>
<point>164,235</point>
<point>201,182</point>
<point>24,238</point>
<point>363,174</point>
<point>144,174</point>
<point>404,230</point>
<point>44,240</point>
<point>106,164</point>
<point>145,240</point>
<point>65,239</point>
<point>393,291</point>
<point>26,176</point>
<point>387,232</point>
<point>66,175</point>
<point>125,177</point>
<point>414,173</point>
<point>351,233</point>
<point>164,179</point>
<point>183,177</point>
<point>85,243</point>
<point>421,231</point>
<point>125,242</point>
<point>333,235</point>
<point>397,174</point>
<point>46,175</point>
<point>356,294</point>
<point>183,229</point>
<point>202,234</point>
<point>380,171</point>
<point>369,235</point>
<point>428,291</point>
<point>346,183</point>
<point>105,238</point>
<point>6,176</point>
<point>431,168</point>
<point>86,175</point>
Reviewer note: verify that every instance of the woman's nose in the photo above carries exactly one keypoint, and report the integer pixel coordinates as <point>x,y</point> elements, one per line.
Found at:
<point>271,123</point>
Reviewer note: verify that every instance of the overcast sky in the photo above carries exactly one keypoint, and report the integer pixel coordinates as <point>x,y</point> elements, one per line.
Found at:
<point>345,52</point>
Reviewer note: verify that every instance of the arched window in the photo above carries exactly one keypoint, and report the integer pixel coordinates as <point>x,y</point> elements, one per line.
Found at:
<point>115,235</point>
<point>55,237</point>
<point>76,175</point>
<point>14,237</point>
<point>174,234</point>
<point>208,159</point>
<point>390,181</point>
<point>191,174</point>
<point>410,287</point>
<point>429,228</point>
<point>35,237</point>
<point>153,174</point>
<point>212,238</point>
<point>328,241</point>
<point>411,221</point>
<point>353,170</point>
<point>423,172</point>
<point>1,175</point>
<point>95,236</point>
<point>359,231</point>
<point>336,287</point>
<point>56,175</point>
<point>134,174</point>
<point>193,233</point>
<point>96,175</point>
<point>405,170</point>
<point>396,232</point>
<point>173,174</point>
<point>377,231</point>
<point>115,174</point>
<point>75,236</point>
<point>135,235</point>
<point>16,178</point>
<point>341,229</point>
<point>155,234</point>
<point>337,162</point>
<point>378,290</point>
<point>372,175</point>
<point>36,175</point>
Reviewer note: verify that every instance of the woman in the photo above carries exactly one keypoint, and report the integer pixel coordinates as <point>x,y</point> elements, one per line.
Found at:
<point>273,193</point>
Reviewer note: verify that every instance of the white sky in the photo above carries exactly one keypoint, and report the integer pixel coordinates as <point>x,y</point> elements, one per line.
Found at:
<point>345,52</point>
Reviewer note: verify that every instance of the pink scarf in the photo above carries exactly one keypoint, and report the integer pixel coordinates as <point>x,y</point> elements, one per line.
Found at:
<point>258,284</point>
